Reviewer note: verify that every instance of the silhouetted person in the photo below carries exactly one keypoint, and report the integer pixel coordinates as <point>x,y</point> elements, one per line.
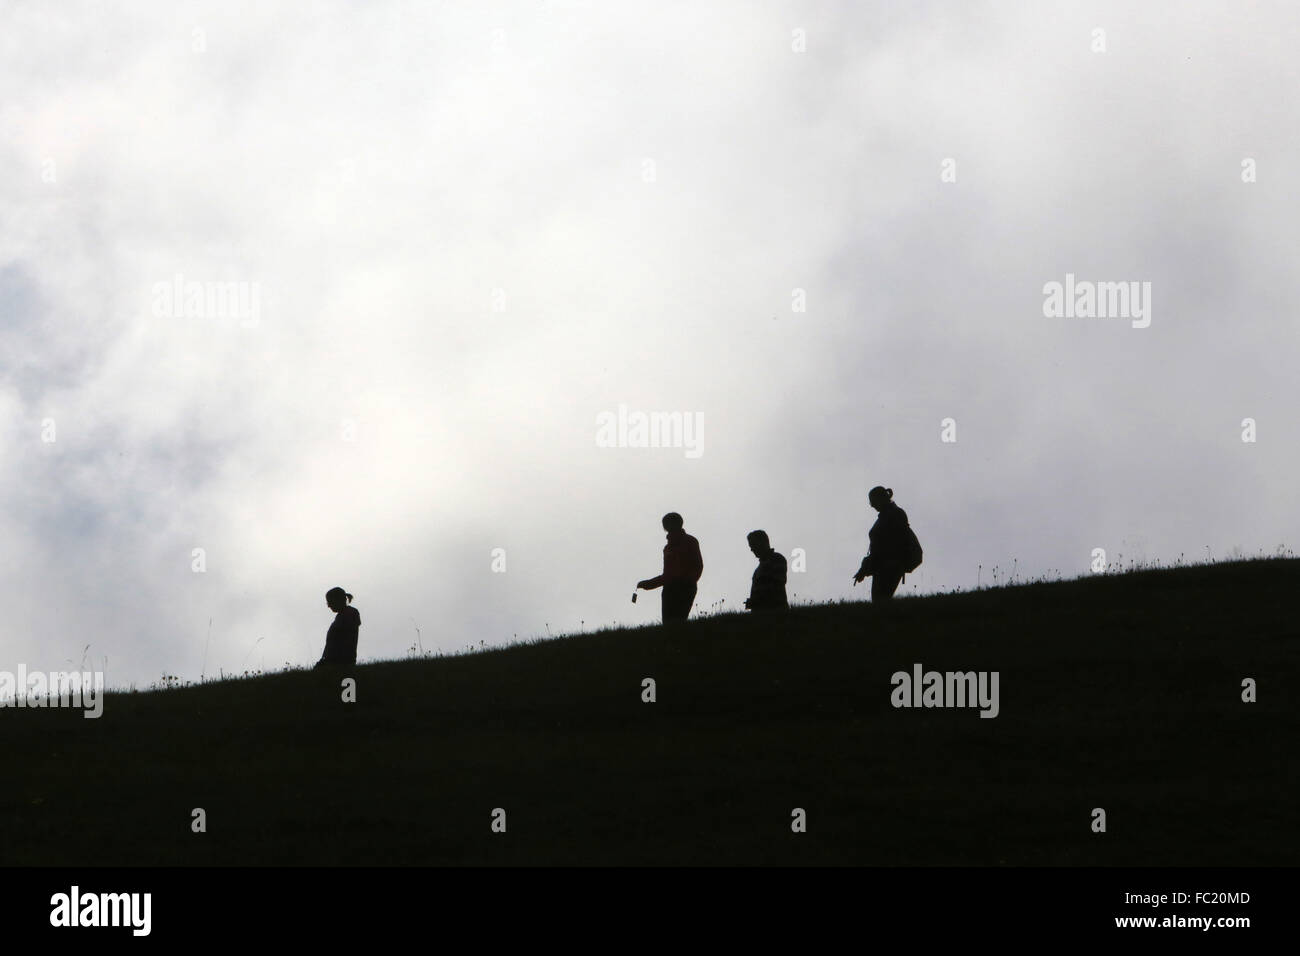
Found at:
<point>886,561</point>
<point>341,639</point>
<point>767,592</point>
<point>682,569</point>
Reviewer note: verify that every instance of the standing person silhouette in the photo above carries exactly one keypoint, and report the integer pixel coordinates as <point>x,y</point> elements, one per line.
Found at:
<point>341,639</point>
<point>887,555</point>
<point>683,566</point>
<point>767,590</point>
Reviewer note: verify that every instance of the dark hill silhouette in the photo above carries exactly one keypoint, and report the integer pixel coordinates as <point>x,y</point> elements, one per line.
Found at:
<point>1121,692</point>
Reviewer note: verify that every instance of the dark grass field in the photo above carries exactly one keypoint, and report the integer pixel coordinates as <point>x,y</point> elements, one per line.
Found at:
<point>1121,692</point>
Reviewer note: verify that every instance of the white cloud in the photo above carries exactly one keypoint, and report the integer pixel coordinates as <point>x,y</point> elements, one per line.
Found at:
<point>382,172</point>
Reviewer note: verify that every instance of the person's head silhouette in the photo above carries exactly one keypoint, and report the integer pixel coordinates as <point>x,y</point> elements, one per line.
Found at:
<point>672,522</point>
<point>336,599</point>
<point>879,497</point>
<point>758,543</point>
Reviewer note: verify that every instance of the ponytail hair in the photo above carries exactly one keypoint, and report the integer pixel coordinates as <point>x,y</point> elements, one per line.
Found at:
<point>880,492</point>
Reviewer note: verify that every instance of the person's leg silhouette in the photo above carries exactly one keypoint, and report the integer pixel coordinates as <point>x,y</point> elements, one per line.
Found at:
<point>884,581</point>
<point>678,596</point>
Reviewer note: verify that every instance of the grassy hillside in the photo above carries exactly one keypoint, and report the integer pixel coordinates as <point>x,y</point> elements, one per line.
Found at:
<point>1121,692</point>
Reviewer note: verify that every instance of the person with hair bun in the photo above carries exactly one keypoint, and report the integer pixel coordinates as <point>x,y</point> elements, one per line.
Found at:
<point>341,639</point>
<point>886,560</point>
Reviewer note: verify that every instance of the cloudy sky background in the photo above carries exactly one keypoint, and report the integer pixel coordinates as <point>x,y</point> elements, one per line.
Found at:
<point>447,213</point>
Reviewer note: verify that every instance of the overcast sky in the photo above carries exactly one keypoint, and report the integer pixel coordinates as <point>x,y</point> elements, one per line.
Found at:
<point>817,230</point>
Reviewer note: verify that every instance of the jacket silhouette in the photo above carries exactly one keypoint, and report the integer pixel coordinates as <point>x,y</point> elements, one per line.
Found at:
<point>888,536</point>
<point>682,561</point>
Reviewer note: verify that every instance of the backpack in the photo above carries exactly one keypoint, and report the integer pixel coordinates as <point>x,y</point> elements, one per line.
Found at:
<point>912,560</point>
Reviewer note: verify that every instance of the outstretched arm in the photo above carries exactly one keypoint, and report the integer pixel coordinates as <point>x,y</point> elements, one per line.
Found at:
<point>649,584</point>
